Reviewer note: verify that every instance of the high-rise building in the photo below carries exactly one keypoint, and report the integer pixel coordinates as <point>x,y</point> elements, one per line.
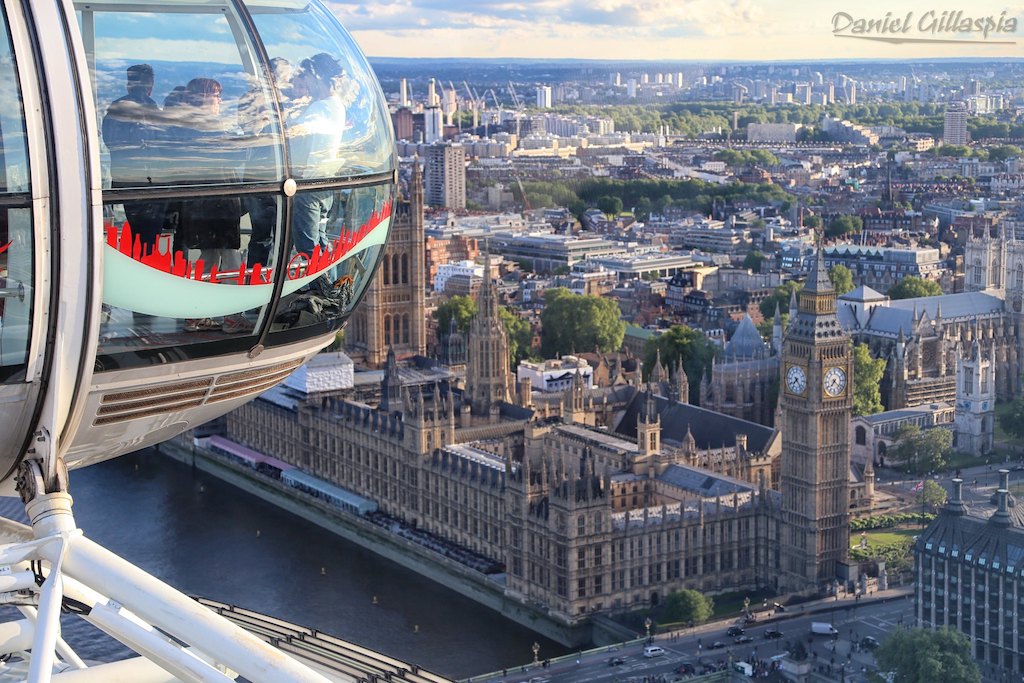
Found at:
<point>817,404</point>
<point>544,97</point>
<point>403,96</point>
<point>402,120</point>
<point>954,130</point>
<point>446,175</point>
<point>850,91</point>
<point>433,125</point>
<point>392,314</point>
<point>631,88</point>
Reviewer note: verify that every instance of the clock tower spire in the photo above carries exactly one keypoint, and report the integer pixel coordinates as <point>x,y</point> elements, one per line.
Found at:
<point>817,404</point>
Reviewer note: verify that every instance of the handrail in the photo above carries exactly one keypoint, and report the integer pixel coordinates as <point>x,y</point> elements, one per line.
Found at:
<point>13,292</point>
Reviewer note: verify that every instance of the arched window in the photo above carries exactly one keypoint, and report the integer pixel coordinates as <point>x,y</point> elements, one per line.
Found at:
<point>405,328</point>
<point>395,273</point>
<point>387,328</point>
<point>387,271</point>
<point>861,435</point>
<point>1018,280</point>
<point>405,269</point>
<point>976,276</point>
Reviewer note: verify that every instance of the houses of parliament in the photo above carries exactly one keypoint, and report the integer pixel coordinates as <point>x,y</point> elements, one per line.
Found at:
<point>595,500</point>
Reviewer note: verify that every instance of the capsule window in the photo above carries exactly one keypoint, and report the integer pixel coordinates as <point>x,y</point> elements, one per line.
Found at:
<point>335,123</point>
<point>205,108</point>
<point>16,236</point>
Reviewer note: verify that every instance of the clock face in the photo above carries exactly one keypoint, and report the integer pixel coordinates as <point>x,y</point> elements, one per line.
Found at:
<point>796,379</point>
<point>834,381</point>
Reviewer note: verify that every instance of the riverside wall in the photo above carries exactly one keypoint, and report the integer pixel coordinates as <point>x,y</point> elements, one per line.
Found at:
<point>474,585</point>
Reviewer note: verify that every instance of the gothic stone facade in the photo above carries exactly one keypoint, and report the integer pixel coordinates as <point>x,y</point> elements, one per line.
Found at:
<point>392,314</point>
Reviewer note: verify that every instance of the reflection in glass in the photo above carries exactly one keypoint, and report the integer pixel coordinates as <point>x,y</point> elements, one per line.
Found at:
<point>15,290</point>
<point>336,121</point>
<point>208,272</point>
<point>16,238</point>
<point>168,118</point>
<point>337,238</point>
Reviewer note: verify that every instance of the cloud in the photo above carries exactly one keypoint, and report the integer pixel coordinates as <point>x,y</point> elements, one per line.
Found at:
<point>695,17</point>
<point>629,29</point>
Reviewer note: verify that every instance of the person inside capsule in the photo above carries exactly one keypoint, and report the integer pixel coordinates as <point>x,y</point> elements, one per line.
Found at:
<point>276,205</point>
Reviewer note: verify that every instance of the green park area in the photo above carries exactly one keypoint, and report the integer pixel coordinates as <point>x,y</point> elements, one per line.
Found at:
<point>883,537</point>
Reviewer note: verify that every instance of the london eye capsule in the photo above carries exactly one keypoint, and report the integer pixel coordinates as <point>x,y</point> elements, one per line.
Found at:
<point>194,195</point>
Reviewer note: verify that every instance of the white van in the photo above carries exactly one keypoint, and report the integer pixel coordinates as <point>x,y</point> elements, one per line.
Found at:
<point>744,668</point>
<point>653,651</point>
<point>820,628</point>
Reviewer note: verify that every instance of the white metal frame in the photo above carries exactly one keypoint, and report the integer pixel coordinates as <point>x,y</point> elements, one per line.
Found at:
<point>175,635</point>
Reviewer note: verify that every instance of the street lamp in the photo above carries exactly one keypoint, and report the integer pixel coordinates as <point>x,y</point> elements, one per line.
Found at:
<point>536,651</point>
<point>647,625</point>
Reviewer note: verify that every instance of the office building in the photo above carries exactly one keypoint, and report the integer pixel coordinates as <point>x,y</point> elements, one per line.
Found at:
<point>970,577</point>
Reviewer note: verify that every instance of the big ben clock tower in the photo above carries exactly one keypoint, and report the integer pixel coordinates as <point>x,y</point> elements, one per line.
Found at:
<point>817,402</point>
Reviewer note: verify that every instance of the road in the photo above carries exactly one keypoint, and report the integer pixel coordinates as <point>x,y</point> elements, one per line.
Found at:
<point>980,482</point>
<point>853,622</point>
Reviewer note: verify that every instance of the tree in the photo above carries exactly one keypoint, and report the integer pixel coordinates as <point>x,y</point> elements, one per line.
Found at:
<point>1012,421</point>
<point>1003,152</point>
<point>573,322</point>
<point>841,277</point>
<point>642,210</point>
<point>912,287</point>
<point>921,655</point>
<point>460,308</point>
<point>753,261</point>
<point>520,336</point>
<point>767,326</point>
<point>931,494</point>
<point>867,379</point>
<point>812,222</point>
<point>843,225</point>
<point>921,451</point>
<point>680,341</point>
<point>781,296</point>
<point>610,206</point>
<point>688,606</point>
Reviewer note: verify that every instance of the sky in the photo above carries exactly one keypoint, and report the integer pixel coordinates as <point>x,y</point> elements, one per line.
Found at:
<point>673,29</point>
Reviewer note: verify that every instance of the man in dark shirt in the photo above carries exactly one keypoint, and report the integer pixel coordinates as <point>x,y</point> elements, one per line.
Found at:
<point>130,123</point>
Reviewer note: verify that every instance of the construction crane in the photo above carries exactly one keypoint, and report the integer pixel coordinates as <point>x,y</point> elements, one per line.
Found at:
<point>475,103</point>
<point>519,105</point>
<point>515,96</point>
<point>522,192</point>
<point>454,103</point>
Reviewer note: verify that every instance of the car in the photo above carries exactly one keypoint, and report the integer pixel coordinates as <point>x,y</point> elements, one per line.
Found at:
<point>653,651</point>
<point>869,643</point>
<point>717,645</point>
<point>772,634</point>
<point>1018,467</point>
<point>740,640</point>
<point>734,631</point>
<point>616,661</point>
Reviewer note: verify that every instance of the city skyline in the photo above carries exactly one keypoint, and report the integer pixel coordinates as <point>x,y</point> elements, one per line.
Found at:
<point>697,30</point>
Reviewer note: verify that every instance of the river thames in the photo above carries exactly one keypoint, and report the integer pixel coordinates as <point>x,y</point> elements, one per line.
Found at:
<point>210,539</point>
